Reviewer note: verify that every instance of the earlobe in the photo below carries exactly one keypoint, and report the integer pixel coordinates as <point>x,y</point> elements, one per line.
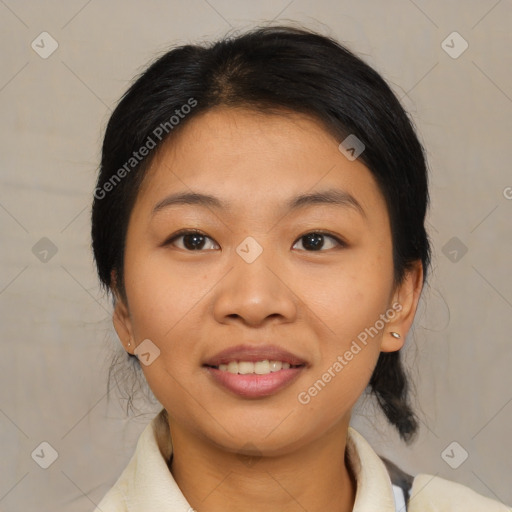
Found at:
<point>390,342</point>
<point>121,319</point>
<point>405,301</point>
<point>122,325</point>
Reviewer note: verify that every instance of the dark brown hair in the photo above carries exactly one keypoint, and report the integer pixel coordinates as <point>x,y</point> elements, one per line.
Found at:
<point>271,69</point>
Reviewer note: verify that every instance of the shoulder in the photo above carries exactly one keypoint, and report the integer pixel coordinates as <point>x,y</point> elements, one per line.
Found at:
<point>146,484</point>
<point>113,501</point>
<point>430,493</point>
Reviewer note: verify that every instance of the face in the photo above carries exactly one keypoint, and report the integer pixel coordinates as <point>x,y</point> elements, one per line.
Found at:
<point>265,277</point>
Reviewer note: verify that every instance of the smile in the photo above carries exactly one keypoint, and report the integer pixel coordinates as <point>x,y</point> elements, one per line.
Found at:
<point>254,371</point>
<point>246,382</point>
<point>258,367</point>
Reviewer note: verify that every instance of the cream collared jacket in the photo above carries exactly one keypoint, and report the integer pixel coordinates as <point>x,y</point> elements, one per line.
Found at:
<point>147,485</point>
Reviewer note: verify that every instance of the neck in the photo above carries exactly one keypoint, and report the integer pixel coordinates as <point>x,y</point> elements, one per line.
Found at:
<point>315,477</point>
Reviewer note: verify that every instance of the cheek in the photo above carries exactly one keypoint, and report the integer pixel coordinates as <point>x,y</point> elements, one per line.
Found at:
<point>350,304</point>
<point>167,306</point>
<point>348,352</point>
<point>332,391</point>
<point>162,294</point>
<point>352,295</point>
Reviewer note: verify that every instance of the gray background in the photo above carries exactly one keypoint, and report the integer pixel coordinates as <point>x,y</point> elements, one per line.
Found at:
<point>56,330</point>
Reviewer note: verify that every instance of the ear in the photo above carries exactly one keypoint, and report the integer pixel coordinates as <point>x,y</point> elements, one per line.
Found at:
<point>121,319</point>
<point>405,302</point>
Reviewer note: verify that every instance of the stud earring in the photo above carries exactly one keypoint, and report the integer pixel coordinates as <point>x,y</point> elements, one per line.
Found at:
<point>395,335</point>
<point>129,343</point>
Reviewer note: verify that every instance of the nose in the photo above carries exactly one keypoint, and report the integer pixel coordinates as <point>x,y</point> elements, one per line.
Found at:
<point>256,292</point>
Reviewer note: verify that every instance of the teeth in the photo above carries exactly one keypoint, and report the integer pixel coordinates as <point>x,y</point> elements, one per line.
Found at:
<point>262,367</point>
<point>275,366</point>
<point>245,367</point>
<point>259,368</point>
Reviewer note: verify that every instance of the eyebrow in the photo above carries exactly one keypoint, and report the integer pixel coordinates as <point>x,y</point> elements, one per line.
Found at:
<point>331,196</point>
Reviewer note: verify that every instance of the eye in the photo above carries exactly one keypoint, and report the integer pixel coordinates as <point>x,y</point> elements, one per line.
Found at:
<point>315,241</point>
<point>193,240</point>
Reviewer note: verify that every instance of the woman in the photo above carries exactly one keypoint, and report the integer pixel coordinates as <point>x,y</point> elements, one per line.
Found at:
<point>259,219</point>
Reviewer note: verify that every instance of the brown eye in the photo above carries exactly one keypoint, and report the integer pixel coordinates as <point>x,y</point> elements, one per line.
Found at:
<point>315,241</point>
<point>191,240</point>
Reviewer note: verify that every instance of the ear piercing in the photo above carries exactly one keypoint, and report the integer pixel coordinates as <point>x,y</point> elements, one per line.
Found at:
<point>395,335</point>
<point>129,343</point>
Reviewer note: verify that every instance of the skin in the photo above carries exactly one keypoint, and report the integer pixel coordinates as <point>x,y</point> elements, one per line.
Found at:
<point>192,304</point>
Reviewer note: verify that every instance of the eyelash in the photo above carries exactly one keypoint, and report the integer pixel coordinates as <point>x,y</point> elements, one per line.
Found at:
<point>185,232</point>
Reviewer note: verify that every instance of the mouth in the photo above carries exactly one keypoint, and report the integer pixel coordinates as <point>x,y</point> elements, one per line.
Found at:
<point>254,372</point>
<point>263,367</point>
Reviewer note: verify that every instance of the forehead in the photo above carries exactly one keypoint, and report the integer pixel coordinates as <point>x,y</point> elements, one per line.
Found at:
<point>249,157</point>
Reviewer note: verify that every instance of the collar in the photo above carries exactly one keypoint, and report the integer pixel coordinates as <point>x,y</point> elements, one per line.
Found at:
<point>147,484</point>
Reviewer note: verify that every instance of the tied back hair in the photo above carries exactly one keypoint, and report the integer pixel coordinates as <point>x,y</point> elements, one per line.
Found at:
<point>276,70</point>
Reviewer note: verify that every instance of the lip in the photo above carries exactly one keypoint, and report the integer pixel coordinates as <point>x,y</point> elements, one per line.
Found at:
<point>254,385</point>
<point>254,353</point>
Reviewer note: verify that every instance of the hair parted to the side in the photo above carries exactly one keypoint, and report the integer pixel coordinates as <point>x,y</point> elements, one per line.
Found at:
<point>272,69</point>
